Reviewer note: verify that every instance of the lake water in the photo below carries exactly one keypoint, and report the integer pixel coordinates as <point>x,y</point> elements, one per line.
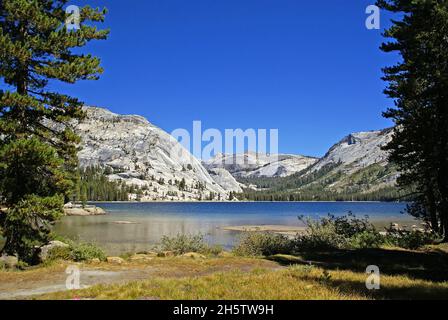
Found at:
<point>151,221</point>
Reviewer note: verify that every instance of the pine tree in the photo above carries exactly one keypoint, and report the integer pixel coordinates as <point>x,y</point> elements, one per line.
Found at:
<point>419,86</point>
<point>38,146</point>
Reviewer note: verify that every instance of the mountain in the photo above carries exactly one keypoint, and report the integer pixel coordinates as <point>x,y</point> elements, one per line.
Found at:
<point>131,150</point>
<point>135,151</point>
<point>355,168</point>
<point>358,150</point>
<point>253,165</point>
<point>357,164</point>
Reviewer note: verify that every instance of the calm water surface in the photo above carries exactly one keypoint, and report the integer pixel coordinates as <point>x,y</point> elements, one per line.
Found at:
<point>151,221</point>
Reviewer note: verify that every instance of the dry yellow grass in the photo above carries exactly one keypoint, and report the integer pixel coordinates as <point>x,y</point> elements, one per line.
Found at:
<point>286,284</point>
<point>291,283</point>
<point>223,278</point>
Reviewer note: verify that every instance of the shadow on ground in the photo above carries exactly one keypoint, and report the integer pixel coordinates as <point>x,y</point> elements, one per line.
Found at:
<point>430,266</point>
<point>424,265</point>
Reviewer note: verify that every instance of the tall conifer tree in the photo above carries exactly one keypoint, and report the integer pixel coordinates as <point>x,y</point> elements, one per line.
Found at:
<point>37,144</point>
<point>419,86</point>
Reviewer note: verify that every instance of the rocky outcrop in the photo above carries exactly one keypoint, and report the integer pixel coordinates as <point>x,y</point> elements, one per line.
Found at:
<point>358,150</point>
<point>45,250</point>
<point>9,262</point>
<point>357,163</point>
<point>252,165</point>
<point>71,209</point>
<point>141,154</point>
<point>115,260</point>
<point>225,179</point>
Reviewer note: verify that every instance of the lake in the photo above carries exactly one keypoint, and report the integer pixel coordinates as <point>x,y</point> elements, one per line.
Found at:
<point>148,222</point>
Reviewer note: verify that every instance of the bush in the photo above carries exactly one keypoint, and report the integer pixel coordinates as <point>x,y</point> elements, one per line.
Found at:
<point>183,243</point>
<point>87,251</point>
<point>411,240</point>
<point>214,250</point>
<point>320,236</point>
<point>263,244</point>
<point>349,226</point>
<point>60,253</point>
<point>367,240</point>
<point>76,252</point>
<point>338,233</point>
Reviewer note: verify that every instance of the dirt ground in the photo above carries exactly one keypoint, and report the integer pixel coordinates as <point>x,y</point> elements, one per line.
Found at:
<point>25,284</point>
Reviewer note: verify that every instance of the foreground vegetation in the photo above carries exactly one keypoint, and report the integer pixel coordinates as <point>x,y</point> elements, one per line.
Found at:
<point>327,262</point>
<point>405,274</point>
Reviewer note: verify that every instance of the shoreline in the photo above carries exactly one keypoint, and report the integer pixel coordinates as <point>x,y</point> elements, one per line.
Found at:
<point>237,202</point>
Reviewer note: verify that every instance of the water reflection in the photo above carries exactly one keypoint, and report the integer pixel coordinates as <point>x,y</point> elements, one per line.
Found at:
<point>140,226</point>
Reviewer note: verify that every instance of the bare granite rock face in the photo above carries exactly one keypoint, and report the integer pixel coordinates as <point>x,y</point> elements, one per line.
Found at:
<point>358,150</point>
<point>141,154</point>
<point>252,165</point>
<point>225,179</point>
<point>358,163</point>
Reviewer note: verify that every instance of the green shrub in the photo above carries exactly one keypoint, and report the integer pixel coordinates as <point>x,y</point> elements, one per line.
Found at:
<point>411,240</point>
<point>87,251</point>
<point>183,243</point>
<point>263,244</point>
<point>343,232</point>
<point>60,253</point>
<point>214,250</point>
<point>76,252</point>
<point>320,236</point>
<point>349,225</point>
<point>367,239</point>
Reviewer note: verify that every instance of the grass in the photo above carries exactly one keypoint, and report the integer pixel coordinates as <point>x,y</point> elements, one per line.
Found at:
<point>291,283</point>
<point>254,285</point>
<point>338,275</point>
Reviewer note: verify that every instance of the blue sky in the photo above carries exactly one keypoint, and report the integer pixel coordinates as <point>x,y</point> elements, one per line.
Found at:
<point>309,68</point>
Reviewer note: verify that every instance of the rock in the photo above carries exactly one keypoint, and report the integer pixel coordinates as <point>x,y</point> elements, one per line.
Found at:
<point>80,210</point>
<point>9,262</point>
<point>124,222</point>
<point>138,153</point>
<point>166,254</point>
<point>225,254</point>
<point>225,179</point>
<point>151,254</point>
<point>141,258</point>
<point>251,164</point>
<point>357,155</point>
<point>115,260</point>
<point>358,150</point>
<point>45,250</point>
<point>194,255</point>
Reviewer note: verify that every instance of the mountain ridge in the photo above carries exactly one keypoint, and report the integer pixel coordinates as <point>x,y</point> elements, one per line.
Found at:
<point>138,153</point>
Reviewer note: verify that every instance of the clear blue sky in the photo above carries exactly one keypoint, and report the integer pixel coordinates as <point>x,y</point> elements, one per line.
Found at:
<point>309,68</point>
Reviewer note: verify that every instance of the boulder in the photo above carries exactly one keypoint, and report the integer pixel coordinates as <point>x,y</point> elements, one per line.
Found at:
<point>79,210</point>
<point>193,255</point>
<point>115,260</point>
<point>141,258</point>
<point>9,261</point>
<point>225,254</point>
<point>45,250</point>
<point>166,254</point>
